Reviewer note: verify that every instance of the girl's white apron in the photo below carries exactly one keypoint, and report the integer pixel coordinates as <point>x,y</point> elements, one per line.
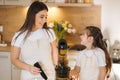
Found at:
<point>89,68</point>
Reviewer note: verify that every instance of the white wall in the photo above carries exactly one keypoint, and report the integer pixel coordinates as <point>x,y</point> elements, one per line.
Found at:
<point>110,19</point>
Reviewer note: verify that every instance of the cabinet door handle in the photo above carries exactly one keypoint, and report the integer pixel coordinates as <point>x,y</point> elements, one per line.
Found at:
<point>3,56</point>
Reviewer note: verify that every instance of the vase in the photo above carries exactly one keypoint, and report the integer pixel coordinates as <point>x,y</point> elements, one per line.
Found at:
<point>59,37</point>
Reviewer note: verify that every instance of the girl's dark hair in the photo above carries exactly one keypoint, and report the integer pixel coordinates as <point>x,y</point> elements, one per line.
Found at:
<point>96,33</point>
<point>34,8</point>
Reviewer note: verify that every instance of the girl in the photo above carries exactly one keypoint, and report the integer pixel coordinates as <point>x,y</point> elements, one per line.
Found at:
<point>35,42</point>
<point>94,62</point>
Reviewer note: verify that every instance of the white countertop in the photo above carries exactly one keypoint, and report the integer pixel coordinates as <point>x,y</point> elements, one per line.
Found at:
<point>115,72</point>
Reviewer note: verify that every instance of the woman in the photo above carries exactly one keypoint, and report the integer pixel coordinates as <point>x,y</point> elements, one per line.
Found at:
<point>35,42</point>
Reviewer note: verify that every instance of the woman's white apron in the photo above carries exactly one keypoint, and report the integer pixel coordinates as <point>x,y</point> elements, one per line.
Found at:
<point>37,51</point>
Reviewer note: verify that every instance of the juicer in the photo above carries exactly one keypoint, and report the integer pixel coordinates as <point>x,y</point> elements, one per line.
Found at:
<point>62,69</point>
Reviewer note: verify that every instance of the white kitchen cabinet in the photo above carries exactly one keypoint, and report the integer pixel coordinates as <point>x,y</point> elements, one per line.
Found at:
<point>15,73</point>
<point>15,2</point>
<point>5,66</point>
<point>1,2</point>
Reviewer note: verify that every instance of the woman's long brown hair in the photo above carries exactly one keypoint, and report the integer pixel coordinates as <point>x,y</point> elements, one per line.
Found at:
<point>96,33</point>
<point>34,8</point>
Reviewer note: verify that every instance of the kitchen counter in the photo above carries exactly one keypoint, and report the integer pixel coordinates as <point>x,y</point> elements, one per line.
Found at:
<point>5,49</point>
<point>115,72</point>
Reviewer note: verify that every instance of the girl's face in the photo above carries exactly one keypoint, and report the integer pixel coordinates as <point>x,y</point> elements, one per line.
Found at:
<point>40,19</point>
<point>85,39</point>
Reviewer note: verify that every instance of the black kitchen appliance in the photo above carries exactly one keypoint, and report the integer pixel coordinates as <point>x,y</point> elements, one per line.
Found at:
<point>62,69</point>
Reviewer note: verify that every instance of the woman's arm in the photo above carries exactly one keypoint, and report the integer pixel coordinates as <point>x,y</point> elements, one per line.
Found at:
<point>15,53</point>
<point>102,73</point>
<point>54,52</point>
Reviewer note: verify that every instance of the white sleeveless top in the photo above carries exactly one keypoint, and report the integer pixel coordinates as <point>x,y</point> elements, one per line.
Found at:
<point>36,48</point>
<point>89,62</point>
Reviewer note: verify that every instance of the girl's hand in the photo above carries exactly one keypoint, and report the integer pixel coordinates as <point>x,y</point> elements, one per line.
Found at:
<point>74,78</point>
<point>34,70</point>
<point>74,75</point>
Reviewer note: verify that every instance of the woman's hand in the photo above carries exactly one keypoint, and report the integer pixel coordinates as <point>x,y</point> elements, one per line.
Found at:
<point>34,70</point>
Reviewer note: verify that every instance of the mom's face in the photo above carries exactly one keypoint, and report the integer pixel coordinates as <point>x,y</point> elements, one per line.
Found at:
<point>40,18</point>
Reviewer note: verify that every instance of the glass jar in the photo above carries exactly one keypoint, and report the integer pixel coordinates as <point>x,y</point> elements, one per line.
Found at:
<point>43,0</point>
<point>70,1</point>
<point>73,1</point>
<point>80,1</point>
<point>50,0</point>
<point>88,1</point>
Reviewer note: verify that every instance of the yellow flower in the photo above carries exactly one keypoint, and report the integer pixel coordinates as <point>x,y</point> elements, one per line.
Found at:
<point>61,28</point>
<point>64,25</point>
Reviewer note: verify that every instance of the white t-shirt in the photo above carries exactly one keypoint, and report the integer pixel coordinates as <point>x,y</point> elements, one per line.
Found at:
<point>38,34</point>
<point>99,53</point>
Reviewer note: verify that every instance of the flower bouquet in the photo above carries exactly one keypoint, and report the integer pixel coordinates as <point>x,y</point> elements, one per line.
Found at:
<point>61,28</point>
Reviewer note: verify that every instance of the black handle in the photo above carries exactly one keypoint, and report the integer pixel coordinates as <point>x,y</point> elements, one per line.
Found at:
<point>42,72</point>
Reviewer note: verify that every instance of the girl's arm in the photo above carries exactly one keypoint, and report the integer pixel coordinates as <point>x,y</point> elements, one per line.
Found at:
<point>15,53</point>
<point>54,52</point>
<point>102,73</point>
<point>75,72</point>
